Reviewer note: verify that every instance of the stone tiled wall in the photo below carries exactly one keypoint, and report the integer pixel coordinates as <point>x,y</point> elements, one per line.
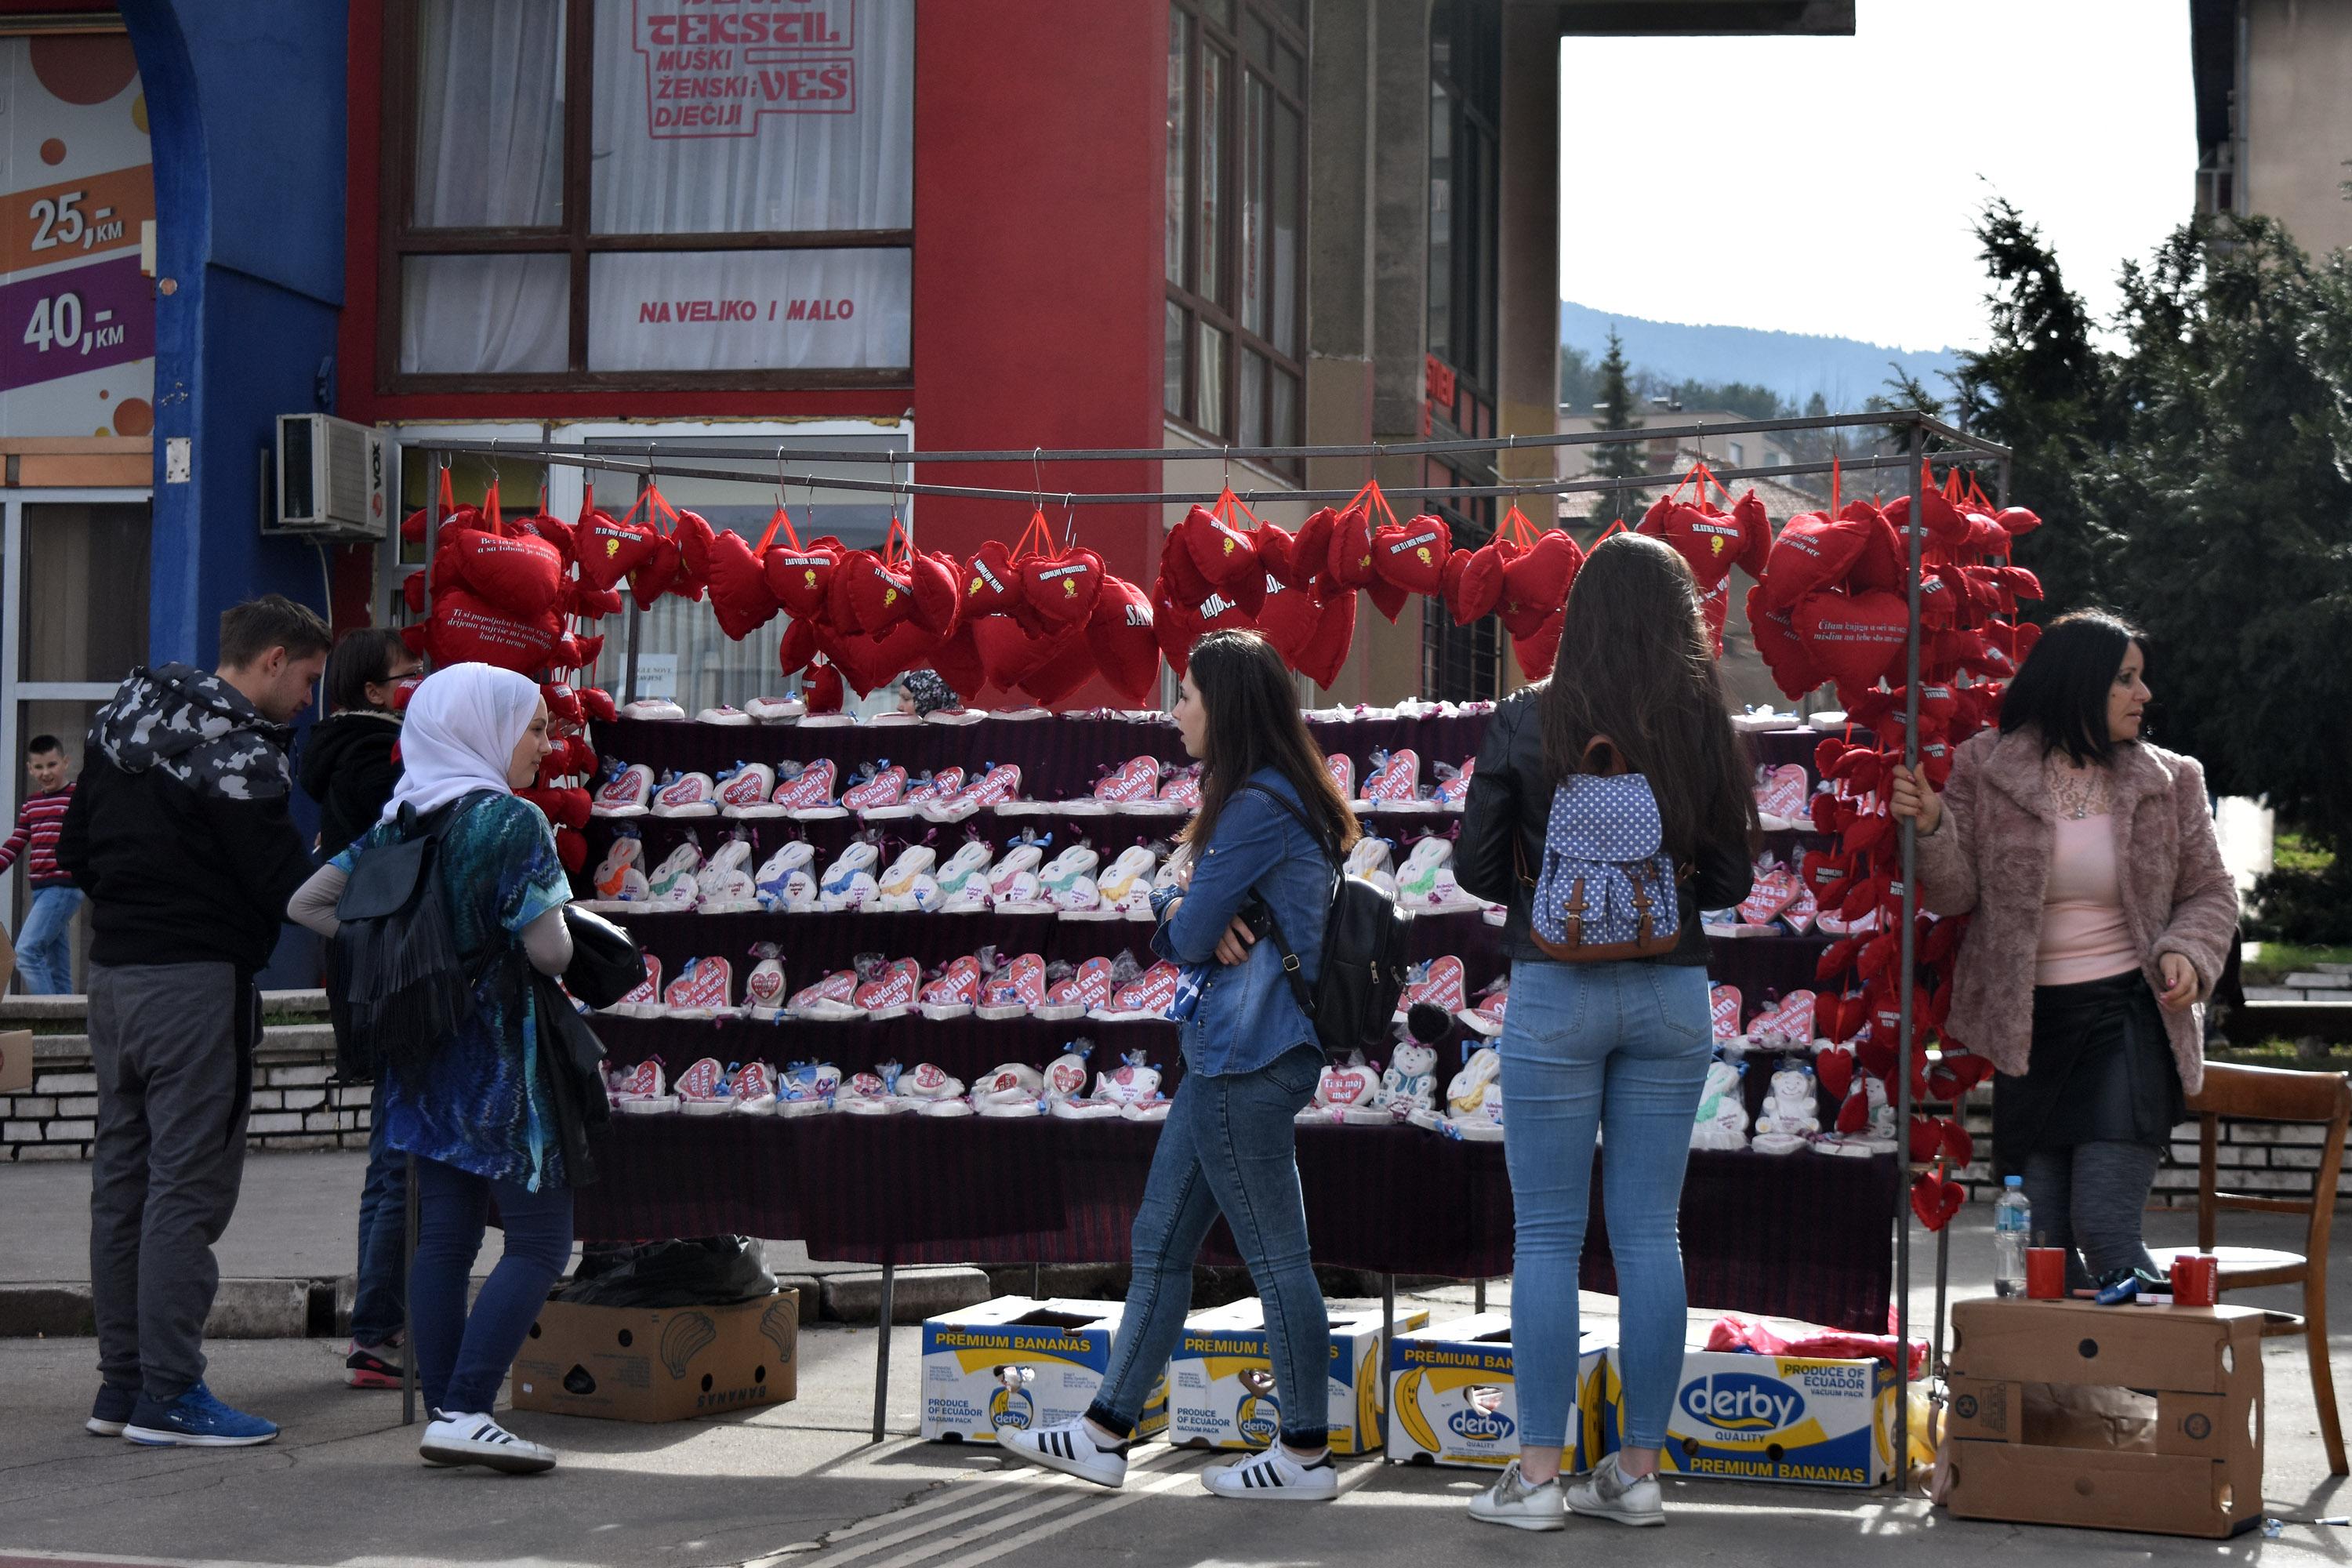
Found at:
<point>294,1104</point>
<point>2265,1158</point>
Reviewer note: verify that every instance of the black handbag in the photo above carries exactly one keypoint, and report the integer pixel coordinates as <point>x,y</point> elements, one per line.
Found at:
<point>570,1059</point>
<point>605,962</point>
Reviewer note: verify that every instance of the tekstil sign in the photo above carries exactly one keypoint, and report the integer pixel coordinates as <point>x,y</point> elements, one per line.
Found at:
<point>714,68</point>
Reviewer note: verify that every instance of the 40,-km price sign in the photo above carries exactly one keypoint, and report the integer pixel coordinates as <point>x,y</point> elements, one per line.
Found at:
<point>92,313</point>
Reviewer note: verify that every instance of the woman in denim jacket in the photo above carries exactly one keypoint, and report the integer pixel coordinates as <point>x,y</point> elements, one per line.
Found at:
<point>1260,855</point>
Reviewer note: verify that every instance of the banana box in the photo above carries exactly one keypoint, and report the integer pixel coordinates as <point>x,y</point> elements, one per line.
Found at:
<point>1020,1362</point>
<point>1452,1399</point>
<point>1221,1387</point>
<point>667,1363</point>
<point>1793,1419</point>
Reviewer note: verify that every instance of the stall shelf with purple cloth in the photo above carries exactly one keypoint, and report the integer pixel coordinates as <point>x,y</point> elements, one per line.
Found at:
<point>1758,1233</point>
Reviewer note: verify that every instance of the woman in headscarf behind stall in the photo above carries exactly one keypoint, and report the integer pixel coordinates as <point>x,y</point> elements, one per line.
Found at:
<point>473,1106</point>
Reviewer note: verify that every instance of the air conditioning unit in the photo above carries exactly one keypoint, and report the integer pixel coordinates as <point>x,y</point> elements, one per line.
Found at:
<point>331,478</point>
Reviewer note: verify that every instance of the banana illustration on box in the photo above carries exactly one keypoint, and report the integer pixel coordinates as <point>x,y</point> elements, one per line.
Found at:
<point>1222,1393</point>
<point>687,1335</point>
<point>779,1326</point>
<point>1454,1400</point>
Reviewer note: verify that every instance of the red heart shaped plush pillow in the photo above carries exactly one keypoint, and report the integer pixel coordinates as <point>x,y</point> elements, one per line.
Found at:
<point>992,585</point>
<point>656,575</point>
<point>1834,1069</point>
<point>869,662</point>
<point>870,597</point>
<point>466,629</point>
<point>1812,552</point>
<point>1410,555</point>
<point>1947,525</point>
<point>561,808</point>
<point>823,693</point>
<point>1072,666</point>
<point>1176,624</point>
<point>693,535</point>
<point>554,530</point>
<point>1222,554</point>
<point>1120,636</point>
<point>739,595</point>
<point>1010,652</point>
<point>609,548</point>
<point>1755,533</point>
<point>1936,1200</point>
<point>593,603</point>
<point>1335,633</point>
<point>597,703</point>
<point>564,709</point>
<point>957,658</point>
<point>411,592</point>
<point>1794,670</point>
<point>1539,582</point>
<point>937,583</point>
<point>1536,654</point>
<point>1276,549</point>
<point>1310,549</point>
<point>1288,619</point>
<point>1349,562</point>
<point>798,646</point>
<point>802,580</point>
<point>1711,541</point>
<point>1856,638</point>
<point>1386,597</point>
<point>1880,565</point>
<point>1063,588</point>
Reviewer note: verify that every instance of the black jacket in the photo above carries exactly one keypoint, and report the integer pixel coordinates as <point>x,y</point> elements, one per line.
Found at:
<point>180,833</point>
<point>1509,806</point>
<point>347,768</point>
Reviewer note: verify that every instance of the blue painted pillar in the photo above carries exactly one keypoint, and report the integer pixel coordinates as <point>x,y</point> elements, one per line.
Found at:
<point>246,110</point>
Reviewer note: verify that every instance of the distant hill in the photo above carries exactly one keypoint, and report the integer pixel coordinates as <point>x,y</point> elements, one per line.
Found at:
<point>1844,371</point>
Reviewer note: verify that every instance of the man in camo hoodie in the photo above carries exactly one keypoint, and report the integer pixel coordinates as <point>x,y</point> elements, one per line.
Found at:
<point>180,835</point>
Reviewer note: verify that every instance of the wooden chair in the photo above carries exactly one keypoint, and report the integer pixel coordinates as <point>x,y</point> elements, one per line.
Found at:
<point>2273,1094</point>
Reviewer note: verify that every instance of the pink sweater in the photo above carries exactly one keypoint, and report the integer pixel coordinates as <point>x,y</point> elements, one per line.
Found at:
<point>2084,935</point>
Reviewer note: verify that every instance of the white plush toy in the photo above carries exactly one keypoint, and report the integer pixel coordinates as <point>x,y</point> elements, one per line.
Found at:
<point>1411,1082</point>
<point>1791,1114</point>
<point>1722,1118</point>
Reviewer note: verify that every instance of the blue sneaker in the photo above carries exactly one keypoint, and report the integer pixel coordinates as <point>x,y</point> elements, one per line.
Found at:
<point>196,1420</point>
<point>110,1413</point>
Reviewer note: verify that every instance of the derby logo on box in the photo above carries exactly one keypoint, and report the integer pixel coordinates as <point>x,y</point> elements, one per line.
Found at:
<point>1739,1402</point>
<point>1013,1408</point>
<point>1472,1425</point>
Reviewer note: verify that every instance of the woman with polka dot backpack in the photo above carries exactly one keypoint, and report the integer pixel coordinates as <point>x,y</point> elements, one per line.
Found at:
<point>1609,806</point>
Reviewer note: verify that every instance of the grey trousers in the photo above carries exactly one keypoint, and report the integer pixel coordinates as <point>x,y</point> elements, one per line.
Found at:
<point>2090,1199</point>
<point>173,1044</point>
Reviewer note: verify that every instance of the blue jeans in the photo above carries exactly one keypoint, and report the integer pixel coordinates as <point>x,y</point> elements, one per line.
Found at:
<point>1622,1047</point>
<point>45,947</point>
<point>1229,1146</point>
<point>377,1309</point>
<point>462,1359</point>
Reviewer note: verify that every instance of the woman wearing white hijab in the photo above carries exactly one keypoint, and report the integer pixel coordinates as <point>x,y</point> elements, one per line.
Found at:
<point>473,1108</point>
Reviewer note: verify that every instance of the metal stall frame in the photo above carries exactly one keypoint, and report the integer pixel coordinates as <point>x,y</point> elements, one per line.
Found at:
<point>1914,427</point>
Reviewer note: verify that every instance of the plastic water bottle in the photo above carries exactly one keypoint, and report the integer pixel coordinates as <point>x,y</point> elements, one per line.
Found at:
<point>2012,1222</point>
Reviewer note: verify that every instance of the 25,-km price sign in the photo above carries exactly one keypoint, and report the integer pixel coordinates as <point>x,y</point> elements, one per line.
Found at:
<point>88,313</point>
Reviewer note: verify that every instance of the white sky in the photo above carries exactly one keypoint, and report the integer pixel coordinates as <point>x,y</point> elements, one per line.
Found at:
<point>2080,112</point>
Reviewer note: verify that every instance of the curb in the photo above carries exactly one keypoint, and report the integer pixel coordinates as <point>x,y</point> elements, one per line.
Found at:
<point>242,1310</point>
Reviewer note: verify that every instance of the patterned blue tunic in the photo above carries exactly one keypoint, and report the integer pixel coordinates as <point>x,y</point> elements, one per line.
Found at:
<point>481,1106</point>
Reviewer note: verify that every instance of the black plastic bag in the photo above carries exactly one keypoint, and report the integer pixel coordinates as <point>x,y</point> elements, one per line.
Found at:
<point>692,1272</point>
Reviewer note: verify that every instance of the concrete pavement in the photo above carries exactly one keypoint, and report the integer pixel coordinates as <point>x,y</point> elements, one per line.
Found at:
<point>801,1481</point>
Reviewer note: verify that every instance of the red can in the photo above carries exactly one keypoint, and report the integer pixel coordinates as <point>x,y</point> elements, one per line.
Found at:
<point>2196,1280</point>
<point>2045,1273</point>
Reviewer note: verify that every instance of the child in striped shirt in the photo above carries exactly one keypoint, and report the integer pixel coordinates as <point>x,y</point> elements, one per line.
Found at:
<point>45,945</point>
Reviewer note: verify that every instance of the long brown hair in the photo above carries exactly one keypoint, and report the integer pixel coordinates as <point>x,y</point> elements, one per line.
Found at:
<point>1636,664</point>
<point>1254,723</point>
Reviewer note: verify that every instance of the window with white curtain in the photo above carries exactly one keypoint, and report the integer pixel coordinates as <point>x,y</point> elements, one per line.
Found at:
<point>647,193</point>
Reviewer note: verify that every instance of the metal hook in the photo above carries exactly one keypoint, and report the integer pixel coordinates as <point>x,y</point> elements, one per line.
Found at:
<point>1037,478</point>
<point>1069,518</point>
<point>780,477</point>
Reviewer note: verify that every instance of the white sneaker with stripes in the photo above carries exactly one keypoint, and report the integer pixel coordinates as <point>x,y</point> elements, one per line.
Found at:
<point>1070,1448</point>
<point>455,1437</point>
<point>1275,1477</point>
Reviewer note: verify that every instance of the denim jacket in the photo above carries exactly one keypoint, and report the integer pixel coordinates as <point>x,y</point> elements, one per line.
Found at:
<point>1247,1016</point>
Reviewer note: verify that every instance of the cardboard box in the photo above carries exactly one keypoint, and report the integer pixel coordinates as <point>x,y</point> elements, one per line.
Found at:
<point>1793,1419</point>
<point>16,1060</point>
<point>631,1364</point>
<point>1220,1391</point>
<point>1453,1401</point>
<point>1062,1346</point>
<point>2146,1419</point>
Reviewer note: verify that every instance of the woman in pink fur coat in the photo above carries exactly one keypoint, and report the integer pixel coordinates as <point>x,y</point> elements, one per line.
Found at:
<point>2102,916</point>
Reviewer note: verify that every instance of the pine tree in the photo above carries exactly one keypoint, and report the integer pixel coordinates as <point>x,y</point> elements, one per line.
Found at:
<point>1619,459</point>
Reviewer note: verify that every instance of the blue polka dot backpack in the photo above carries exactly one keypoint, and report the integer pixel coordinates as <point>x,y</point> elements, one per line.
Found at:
<point>1608,887</point>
